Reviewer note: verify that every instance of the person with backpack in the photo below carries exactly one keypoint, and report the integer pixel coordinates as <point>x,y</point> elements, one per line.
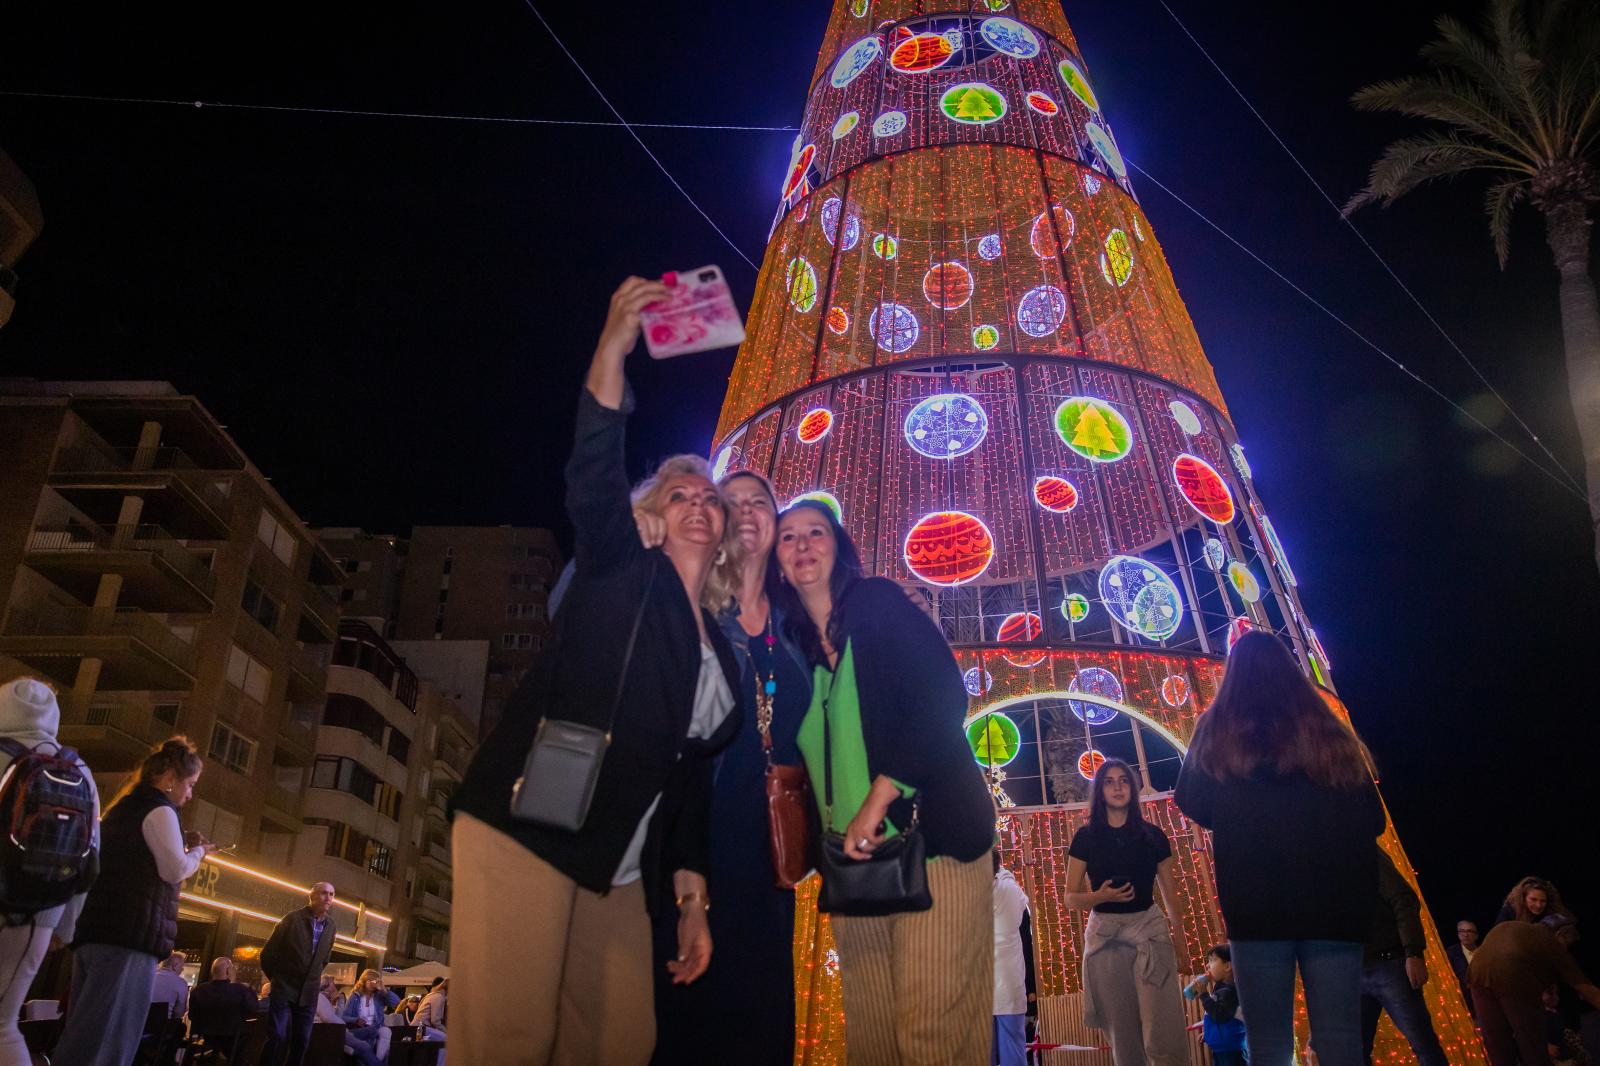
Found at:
<point>47,865</point>
<point>131,916</point>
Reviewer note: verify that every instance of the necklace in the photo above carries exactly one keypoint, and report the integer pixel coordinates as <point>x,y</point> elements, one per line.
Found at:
<point>766,690</point>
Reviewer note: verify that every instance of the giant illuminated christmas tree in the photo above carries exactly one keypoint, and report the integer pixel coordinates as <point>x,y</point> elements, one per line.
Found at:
<point>966,337</point>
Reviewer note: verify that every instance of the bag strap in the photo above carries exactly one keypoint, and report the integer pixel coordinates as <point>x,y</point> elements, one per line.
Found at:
<point>827,745</point>
<point>627,656</point>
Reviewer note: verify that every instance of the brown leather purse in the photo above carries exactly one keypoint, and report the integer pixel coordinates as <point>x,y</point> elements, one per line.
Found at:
<point>789,803</point>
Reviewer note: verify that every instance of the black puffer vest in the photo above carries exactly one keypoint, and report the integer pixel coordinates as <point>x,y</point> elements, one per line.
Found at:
<point>129,905</point>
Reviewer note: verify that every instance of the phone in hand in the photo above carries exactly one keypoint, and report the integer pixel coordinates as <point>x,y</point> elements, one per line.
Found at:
<point>699,315</point>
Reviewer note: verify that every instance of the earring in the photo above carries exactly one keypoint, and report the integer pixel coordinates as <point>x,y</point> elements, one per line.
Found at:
<point>722,556</point>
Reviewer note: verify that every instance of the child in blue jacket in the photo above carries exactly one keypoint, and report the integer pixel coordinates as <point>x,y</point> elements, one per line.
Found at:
<point>1224,1029</point>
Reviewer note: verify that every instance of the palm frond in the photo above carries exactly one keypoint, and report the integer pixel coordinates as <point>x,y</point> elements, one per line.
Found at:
<point>1507,26</point>
<point>1502,199</point>
<point>1414,161</point>
<point>1460,50</point>
<point>1451,100</point>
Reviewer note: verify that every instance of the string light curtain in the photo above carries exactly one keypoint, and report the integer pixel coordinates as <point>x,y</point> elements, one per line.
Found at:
<point>965,338</point>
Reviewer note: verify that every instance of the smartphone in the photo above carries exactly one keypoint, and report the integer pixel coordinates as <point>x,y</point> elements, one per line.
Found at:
<point>698,316</point>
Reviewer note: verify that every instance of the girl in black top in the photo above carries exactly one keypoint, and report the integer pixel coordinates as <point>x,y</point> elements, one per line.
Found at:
<point>521,981</point>
<point>753,981</point>
<point>1130,971</point>
<point>1285,788</point>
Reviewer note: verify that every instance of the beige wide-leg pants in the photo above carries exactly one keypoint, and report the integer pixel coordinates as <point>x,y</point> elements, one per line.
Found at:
<point>542,972</point>
<point>919,987</point>
<point>1131,988</point>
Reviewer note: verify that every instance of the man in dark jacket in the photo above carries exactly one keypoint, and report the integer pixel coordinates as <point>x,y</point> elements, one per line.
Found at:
<point>220,1007</point>
<point>1460,955</point>
<point>293,960</point>
<point>1392,970</point>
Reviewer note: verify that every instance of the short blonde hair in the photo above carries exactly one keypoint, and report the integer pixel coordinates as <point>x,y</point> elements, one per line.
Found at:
<point>648,495</point>
<point>359,987</point>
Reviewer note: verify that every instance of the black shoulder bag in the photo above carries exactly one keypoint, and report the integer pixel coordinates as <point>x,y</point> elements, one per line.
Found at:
<point>559,775</point>
<point>894,880</point>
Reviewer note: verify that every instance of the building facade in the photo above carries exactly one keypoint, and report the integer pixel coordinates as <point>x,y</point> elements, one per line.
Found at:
<point>966,339</point>
<point>155,576</point>
<point>489,583</point>
<point>20,222</point>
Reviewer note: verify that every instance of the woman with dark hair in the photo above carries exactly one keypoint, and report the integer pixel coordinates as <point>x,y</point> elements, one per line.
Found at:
<point>755,982</point>
<point>639,657</point>
<point>884,726</point>
<point>1533,899</point>
<point>1287,791</point>
<point>130,918</point>
<point>1130,971</point>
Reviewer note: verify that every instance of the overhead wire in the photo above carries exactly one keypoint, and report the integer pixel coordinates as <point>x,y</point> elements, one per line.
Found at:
<point>1437,325</point>
<point>623,124</point>
<point>639,140</point>
<point>1363,338</point>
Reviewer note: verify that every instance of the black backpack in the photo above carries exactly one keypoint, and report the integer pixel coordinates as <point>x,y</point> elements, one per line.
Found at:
<point>47,853</point>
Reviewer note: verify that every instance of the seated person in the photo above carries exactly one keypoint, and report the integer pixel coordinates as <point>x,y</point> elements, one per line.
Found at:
<point>430,1016</point>
<point>219,1008</point>
<point>365,1009</point>
<point>364,1052</point>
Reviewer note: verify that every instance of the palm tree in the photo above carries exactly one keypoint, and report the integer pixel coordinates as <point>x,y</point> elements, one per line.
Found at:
<point>1519,101</point>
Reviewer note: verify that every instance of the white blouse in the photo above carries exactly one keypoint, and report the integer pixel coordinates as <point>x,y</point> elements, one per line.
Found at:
<point>713,701</point>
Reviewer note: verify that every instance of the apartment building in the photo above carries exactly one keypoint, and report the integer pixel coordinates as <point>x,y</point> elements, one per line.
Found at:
<point>489,583</point>
<point>157,578</point>
<point>371,565</point>
<point>20,222</point>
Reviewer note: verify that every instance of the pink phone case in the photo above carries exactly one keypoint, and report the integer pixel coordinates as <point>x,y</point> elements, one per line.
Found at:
<point>699,315</point>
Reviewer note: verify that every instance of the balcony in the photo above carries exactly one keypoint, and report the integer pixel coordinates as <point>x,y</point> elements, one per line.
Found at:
<point>429,953</point>
<point>178,495</point>
<point>450,762</point>
<point>281,809</point>
<point>439,807</point>
<point>319,617</point>
<point>308,674</point>
<point>437,854</point>
<point>111,735</point>
<point>432,908</point>
<point>158,573</point>
<point>297,736</point>
<point>136,651</point>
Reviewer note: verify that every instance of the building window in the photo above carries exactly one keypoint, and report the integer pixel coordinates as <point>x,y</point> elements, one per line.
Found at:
<point>513,610</point>
<point>275,535</point>
<point>346,595</point>
<point>399,746</point>
<point>260,606</point>
<point>166,713</point>
<point>352,566</point>
<point>248,674</point>
<point>212,822</point>
<point>347,775</point>
<point>354,846</point>
<point>447,563</point>
<point>231,749</point>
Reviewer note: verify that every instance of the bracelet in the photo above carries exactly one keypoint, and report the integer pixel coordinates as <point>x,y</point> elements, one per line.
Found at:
<point>690,897</point>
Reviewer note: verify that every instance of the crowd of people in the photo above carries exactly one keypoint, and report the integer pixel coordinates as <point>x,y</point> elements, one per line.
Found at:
<point>710,649</point>
<point>722,673</point>
<point>118,910</point>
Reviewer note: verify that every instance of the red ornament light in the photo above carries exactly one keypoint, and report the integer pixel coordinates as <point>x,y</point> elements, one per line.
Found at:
<point>838,319</point>
<point>949,548</point>
<point>1238,628</point>
<point>1055,493</point>
<point>1203,488</point>
<point>920,54</point>
<point>814,425</point>
<point>1042,103</point>
<point>947,285</point>
<point>1042,238</point>
<point>1021,627</point>
<point>1089,762</point>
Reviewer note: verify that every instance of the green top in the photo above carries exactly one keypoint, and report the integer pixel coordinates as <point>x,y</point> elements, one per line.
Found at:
<point>834,692</point>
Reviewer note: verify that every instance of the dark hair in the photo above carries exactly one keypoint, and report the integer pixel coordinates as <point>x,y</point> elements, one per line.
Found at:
<point>1267,714</point>
<point>846,573</point>
<point>1097,797</point>
<point>1223,952</point>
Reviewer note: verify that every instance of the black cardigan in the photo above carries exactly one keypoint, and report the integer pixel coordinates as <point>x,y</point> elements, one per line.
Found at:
<point>912,705</point>
<point>575,679</point>
<point>1294,860</point>
<point>288,961</point>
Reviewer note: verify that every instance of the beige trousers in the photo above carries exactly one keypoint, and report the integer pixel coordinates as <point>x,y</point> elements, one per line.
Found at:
<point>542,972</point>
<point>919,987</point>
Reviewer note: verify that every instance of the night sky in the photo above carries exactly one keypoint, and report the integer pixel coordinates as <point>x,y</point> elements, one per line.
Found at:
<point>392,315</point>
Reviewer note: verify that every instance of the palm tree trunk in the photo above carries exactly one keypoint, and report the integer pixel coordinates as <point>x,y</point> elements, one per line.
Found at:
<point>1567,230</point>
